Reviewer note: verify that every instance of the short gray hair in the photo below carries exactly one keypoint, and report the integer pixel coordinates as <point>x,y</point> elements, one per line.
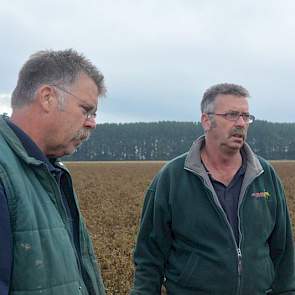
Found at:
<point>207,103</point>
<point>52,67</point>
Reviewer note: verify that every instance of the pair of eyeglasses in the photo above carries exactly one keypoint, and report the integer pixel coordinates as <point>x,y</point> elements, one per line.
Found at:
<point>235,116</point>
<point>88,114</point>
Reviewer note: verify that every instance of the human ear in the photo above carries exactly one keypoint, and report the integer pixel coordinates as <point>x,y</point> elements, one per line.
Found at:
<point>45,95</point>
<point>206,122</point>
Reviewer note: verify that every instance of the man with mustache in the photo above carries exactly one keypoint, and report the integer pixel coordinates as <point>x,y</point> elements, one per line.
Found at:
<point>215,220</point>
<point>44,244</point>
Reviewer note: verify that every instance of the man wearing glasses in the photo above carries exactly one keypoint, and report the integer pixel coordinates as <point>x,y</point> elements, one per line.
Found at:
<point>44,244</point>
<point>215,220</point>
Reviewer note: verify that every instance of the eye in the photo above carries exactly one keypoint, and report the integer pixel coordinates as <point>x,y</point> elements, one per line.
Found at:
<point>233,115</point>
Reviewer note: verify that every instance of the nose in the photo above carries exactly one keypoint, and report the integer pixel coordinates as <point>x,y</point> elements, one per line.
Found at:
<point>90,123</point>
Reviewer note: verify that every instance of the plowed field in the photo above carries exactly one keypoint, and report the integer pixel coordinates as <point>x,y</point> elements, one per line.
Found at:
<point>111,196</point>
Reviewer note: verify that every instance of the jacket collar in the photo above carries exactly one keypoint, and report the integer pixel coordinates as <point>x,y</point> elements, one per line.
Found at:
<point>194,164</point>
<point>23,145</point>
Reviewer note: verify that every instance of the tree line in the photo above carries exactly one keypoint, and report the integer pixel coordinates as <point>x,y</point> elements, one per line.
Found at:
<point>167,139</point>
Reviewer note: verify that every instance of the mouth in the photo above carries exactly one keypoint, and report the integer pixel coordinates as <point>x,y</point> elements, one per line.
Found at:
<point>237,135</point>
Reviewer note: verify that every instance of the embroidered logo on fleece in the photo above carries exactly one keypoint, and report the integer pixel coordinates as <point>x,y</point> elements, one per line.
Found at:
<point>258,195</point>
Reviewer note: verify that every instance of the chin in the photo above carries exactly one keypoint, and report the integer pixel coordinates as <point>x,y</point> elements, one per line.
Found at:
<point>69,151</point>
<point>233,146</point>
<point>238,142</point>
<point>236,147</point>
<point>72,151</point>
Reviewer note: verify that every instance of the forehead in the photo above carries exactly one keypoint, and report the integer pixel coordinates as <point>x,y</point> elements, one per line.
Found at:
<point>226,102</point>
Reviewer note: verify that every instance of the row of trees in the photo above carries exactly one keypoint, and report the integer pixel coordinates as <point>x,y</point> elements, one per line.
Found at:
<point>165,140</point>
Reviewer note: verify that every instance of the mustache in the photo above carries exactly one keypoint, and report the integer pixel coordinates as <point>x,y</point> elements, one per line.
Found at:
<point>83,134</point>
<point>238,131</point>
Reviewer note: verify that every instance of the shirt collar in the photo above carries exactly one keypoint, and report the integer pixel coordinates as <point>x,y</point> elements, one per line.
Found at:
<point>243,167</point>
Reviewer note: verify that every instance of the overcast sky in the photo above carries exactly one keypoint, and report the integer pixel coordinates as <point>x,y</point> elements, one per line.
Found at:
<point>159,56</point>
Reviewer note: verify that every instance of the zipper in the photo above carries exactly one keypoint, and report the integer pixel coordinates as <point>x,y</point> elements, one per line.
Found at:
<point>237,245</point>
<point>239,252</point>
<point>239,261</point>
<point>240,266</point>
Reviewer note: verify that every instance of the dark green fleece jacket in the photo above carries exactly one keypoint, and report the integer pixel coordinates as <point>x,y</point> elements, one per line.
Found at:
<point>186,242</point>
<point>45,260</point>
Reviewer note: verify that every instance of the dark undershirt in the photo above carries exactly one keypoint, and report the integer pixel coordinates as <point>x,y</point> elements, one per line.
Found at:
<point>228,196</point>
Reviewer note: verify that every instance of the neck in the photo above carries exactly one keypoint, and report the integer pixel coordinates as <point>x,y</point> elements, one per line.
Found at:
<point>23,119</point>
<point>218,159</point>
<point>221,166</point>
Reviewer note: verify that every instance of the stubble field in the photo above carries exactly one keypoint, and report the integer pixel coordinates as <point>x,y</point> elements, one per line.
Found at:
<point>111,196</point>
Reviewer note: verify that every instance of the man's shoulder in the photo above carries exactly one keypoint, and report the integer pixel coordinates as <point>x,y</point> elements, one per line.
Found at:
<point>8,139</point>
<point>4,147</point>
<point>269,171</point>
<point>264,163</point>
<point>170,169</point>
<point>255,160</point>
<point>175,163</point>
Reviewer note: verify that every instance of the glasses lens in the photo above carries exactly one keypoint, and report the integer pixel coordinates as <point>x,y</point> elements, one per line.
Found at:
<point>246,117</point>
<point>251,119</point>
<point>91,115</point>
<point>232,116</point>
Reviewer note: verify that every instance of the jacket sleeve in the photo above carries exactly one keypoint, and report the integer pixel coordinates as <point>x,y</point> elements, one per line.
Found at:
<point>282,247</point>
<point>153,242</point>
<point>5,244</point>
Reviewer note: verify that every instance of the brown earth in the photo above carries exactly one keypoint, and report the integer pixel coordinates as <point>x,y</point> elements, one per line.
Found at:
<point>111,196</point>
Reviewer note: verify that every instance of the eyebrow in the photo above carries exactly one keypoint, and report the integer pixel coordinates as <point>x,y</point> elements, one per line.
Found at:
<point>235,111</point>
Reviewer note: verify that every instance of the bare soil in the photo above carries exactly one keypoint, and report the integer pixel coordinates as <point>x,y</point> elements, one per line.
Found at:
<point>111,196</point>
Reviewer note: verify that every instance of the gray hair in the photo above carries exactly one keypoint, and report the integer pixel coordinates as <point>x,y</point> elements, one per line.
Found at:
<point>53,67</point>
<point>208,101</point>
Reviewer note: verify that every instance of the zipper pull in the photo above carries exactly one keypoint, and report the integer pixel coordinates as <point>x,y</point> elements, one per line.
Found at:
<point>239,260</point>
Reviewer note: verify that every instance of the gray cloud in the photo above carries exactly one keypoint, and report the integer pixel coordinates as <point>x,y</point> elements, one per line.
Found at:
<point>158,57</point>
